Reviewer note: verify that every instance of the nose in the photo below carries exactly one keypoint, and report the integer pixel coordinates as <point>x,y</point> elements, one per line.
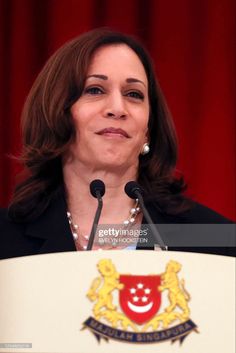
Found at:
<point>115,107</point>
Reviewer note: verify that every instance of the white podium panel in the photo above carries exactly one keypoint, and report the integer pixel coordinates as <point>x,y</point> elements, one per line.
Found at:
<point>118,301</point>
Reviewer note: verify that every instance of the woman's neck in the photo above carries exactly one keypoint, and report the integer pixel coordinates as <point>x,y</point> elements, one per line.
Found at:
<point>82,205</point>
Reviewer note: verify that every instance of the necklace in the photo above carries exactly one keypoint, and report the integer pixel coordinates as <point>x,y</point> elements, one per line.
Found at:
<point>82,240</point>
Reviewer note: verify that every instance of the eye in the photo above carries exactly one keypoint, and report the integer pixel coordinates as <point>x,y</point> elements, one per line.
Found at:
<point>93,90</point>
<point>136,95</point>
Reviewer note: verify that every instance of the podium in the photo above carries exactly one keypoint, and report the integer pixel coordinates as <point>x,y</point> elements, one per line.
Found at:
<point>118,301</point>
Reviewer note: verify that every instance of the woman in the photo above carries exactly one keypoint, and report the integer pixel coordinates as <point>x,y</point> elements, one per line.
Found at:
<point>95,111</point>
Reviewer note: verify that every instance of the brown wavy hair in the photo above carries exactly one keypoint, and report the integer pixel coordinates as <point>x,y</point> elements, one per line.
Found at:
<point>48,130</point>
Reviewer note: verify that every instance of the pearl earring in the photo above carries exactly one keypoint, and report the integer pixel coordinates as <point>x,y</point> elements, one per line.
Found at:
<point>145,149</point>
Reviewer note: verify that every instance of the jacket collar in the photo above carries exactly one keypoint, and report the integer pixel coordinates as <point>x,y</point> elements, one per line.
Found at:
<point>53,228</point>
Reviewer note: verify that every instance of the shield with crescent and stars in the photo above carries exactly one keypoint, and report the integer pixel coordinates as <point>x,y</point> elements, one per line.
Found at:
<point>140,298</point>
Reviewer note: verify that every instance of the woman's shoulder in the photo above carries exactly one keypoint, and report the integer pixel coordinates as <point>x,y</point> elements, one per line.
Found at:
<point>199,213</point>
<point>13,242</point>
<point>6,223</point>
<point>4,220</point>
<point>197,229</point>
<point>195,213</point>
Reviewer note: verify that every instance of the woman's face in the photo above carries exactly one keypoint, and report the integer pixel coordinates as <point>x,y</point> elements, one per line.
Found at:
<point>111,116</point>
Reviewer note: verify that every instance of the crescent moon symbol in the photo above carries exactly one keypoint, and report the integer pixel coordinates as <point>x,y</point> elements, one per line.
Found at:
<point>140,309</point>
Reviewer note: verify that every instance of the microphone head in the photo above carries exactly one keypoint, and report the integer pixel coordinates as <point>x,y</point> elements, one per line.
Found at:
<point>97,186</point>
<point>131,188</point>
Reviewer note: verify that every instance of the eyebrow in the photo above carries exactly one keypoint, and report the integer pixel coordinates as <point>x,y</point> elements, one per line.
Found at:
<point>128,80</point>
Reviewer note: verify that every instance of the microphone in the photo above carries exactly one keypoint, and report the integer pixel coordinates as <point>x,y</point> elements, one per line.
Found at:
<point>97,190</point>
<point>134,191</point>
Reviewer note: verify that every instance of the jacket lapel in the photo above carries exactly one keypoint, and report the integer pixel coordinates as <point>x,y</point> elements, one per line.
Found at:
<point>52,228</point>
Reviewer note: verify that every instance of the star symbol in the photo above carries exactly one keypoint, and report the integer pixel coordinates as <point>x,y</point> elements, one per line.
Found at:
<point>144,299</point>
<point>132,290</point>
<point>147,291</point>
<point>140,285</point>
<point>135,299</point>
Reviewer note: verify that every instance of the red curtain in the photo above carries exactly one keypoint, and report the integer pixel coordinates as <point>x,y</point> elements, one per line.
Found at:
<point>192,45</point>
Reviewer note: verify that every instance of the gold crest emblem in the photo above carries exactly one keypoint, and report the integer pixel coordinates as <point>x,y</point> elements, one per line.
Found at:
<point>137,318</point>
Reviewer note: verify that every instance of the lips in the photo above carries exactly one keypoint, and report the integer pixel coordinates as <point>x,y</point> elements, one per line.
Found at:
<point>109,131</point>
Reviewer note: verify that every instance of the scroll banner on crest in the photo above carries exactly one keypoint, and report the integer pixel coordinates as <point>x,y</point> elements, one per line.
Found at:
<point>103,301</point>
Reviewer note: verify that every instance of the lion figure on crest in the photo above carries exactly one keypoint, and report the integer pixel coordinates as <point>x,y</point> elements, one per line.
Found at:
<point>110,278</point>
<point>178,296</point>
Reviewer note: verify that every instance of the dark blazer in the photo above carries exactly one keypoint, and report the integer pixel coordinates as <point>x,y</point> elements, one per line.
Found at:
<point>50,233</point>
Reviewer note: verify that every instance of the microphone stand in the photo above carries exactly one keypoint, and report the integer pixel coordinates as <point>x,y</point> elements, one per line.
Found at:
<point>95,221</point>
<point>159,242</point>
